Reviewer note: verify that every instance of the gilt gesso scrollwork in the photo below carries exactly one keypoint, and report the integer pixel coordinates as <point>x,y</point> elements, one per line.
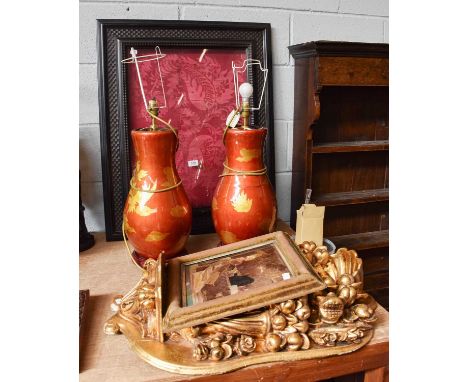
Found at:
<point>140,305</point>
<point>341,314</point>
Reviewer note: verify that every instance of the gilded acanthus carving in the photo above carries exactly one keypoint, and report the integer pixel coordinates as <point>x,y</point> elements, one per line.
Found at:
<point>221,346</point>
<point>139,306</point>
<point>339,315</point>
<point>342,314</point>
<point>333,335</point>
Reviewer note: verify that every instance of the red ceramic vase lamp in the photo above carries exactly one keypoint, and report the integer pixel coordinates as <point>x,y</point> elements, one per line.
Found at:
<point>244,204</point>
<point>157,214</point>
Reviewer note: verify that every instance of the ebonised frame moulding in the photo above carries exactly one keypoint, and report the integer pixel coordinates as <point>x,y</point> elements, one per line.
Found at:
<point>114,39</point>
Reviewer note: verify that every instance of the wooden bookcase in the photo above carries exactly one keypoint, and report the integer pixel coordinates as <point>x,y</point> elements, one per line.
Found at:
<point>340,147</point>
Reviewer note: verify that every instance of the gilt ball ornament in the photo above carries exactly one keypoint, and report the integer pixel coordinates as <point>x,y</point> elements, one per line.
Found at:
<point>288,306</point>
<point>346,279</point>
<point>273,342</point>
<point>278,321</point>
<point>217,353</point>
<point>295,341</point>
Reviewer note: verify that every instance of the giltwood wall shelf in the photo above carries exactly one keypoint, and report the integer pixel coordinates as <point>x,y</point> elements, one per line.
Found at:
<point>106,271</point>
<point>333,317</point>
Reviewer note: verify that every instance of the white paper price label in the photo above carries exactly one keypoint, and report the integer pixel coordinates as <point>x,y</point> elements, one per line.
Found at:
<point>193,163</point>
<point>234,289</point>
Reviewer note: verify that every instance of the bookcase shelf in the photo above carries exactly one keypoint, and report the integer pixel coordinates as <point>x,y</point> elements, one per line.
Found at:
<point>360,241</point>
<point>346,147</point>
<point>340,146</point>
<point>351,197</point>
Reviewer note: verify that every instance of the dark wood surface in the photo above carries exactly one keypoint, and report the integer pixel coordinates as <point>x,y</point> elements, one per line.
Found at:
<point>353,71</point>
<point>360,241</point>
<point>345,147</point>
<point>368,358</point>
<point>351,197</point>
<point>324,48</point>
<point>349,172</point>
<point>375,260</point>
<point>357,219</point>
<point>340,145</point>
<point>352,113</point>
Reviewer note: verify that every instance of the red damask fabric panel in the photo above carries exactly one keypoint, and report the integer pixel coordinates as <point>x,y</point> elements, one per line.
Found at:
<point>199,90</point>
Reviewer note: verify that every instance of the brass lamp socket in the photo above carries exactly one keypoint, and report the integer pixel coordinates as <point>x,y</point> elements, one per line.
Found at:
<point>153,109</point>
<point>245,113</point>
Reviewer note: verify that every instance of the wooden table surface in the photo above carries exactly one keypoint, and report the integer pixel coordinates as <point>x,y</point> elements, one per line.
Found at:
<point>106,270</point>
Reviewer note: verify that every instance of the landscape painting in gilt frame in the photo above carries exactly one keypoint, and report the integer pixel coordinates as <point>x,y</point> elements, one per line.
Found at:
<point>198,95</point>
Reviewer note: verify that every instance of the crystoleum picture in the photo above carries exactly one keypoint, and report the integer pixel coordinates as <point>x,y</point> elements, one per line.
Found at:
<point>234,273</point>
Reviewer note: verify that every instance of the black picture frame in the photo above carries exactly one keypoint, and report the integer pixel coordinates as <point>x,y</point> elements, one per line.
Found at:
<point>113,38</point>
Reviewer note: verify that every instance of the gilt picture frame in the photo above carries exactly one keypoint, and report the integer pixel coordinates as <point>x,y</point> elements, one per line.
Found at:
<point>115,38</point>
<point>286,275</point>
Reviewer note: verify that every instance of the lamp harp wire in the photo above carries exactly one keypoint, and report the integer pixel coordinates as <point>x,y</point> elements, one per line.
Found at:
<point>241,69</point>
<point>134,59</point>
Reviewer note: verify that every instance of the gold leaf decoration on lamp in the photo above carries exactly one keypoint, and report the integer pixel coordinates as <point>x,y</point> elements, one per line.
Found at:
<point>128,229</point>
<point>228,237</point>
<point>242,203</point>
<point>137,203</point>
<point>156,236</point>
<point>132,200</point>
<point>178,211</point>
<point>247,155</point>
<point>170,177</point>
<point>145,210</point>
<point>140,174</point>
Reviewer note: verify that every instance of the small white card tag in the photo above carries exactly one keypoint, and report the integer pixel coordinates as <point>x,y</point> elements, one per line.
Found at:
<point>233,118</point>
<point>286,276</point>
<point>193,163</point>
